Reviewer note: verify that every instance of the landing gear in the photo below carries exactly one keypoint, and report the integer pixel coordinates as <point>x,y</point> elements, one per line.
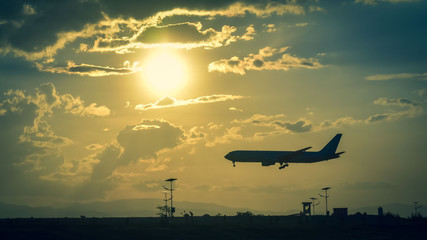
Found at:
<point>234,164</point>
<point>283,165</point>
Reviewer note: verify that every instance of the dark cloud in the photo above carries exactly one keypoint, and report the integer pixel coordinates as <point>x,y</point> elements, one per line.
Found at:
<point>11,9</point>
<point>297,126</point>
<point>258,63</point>
<point>141,141</point>
<point>178,33</point>
<point>142,9</point>
<point>103,43</point>
<point>91,70</point>
<point>401,102</point>
<point>37,31</point>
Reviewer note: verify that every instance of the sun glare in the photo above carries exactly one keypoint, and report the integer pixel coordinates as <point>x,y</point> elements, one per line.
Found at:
<point>165,73</point>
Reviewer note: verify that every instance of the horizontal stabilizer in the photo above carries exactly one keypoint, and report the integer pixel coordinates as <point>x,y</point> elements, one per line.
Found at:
<point>337,155</point>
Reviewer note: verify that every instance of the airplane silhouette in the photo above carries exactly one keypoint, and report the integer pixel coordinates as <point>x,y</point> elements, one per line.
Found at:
<point>267,158</point>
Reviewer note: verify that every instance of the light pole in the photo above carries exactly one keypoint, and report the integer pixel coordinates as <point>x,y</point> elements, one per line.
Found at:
<point>326,198</point>
<point>314,204</point>
<point>166,203</point>
<point>171,180</point>
<point>416,207</point>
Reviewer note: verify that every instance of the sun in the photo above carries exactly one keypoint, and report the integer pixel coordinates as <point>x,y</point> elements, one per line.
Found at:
<point>165,73</point>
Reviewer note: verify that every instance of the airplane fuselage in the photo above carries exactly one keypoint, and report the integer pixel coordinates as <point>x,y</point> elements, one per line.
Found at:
<point>267,158</point>
<point>275,156</point>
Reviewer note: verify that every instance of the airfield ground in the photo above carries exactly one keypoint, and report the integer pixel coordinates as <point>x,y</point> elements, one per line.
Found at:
<point>235,227</point>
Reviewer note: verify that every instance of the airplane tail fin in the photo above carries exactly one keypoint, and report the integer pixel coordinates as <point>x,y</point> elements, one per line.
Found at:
<point>332,145</point>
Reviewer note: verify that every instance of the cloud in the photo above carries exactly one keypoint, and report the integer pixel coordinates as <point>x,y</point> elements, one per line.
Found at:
<point>235,109</point>
<point>31,156</point>
<point>401,102</point>
<point>276,122</point>
<point>91,70</point>
<point>43,103</point>
<point>167,102</point>
<point>301,125</point>
<point>375,2</point>
<point>368,186</point>
<point>135,142</point>
<point>412,110</point>
<point>185,35</point>
<point>383,77</point>
<point>28,9</point>
<point>250,32</point>
<point>238,9</point>
<point>230,134</point>
<point>96,31</point>
<point>76,106</point>
<point>317,9</point>
<point>94,147</point>
<point>270,27</point>
<point>259,119</point>
<point>149,185</point>
<point>35,22</point>
<point>301,24</point>
<point>338,123</point>
<point>279,61</point>
<point>117,34</point>
<point>175,33</point>
<point>241,130</point>
<point>195,134</point>
<point>46,99</point>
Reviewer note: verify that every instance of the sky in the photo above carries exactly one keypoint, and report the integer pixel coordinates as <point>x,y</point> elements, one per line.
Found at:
<point>103,100</point>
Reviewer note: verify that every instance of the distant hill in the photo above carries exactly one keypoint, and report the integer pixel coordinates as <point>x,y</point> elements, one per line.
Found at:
<point>122,208</point>
<point>147,208</point>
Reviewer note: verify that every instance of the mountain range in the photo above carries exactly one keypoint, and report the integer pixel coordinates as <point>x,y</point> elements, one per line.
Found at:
<point>148,208</point>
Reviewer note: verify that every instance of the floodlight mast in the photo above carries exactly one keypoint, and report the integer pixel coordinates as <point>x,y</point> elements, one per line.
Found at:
<point>416,207</point>
<point>326,198</point>
<point>171,180</point>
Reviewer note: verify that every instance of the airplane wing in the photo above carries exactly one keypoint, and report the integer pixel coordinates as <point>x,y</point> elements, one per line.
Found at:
<point>291,155</point>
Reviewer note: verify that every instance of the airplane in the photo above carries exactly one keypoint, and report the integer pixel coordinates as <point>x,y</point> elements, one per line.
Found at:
<point>267,158</point>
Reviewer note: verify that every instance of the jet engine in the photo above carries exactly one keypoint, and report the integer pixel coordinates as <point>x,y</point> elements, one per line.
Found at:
<point>267,163</point>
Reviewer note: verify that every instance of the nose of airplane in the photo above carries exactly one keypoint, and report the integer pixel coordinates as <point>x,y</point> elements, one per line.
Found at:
<point>227,156</point>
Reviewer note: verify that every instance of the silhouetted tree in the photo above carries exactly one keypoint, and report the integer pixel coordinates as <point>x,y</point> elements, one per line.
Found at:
<point>245,214</point>
<point>163,211</point>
